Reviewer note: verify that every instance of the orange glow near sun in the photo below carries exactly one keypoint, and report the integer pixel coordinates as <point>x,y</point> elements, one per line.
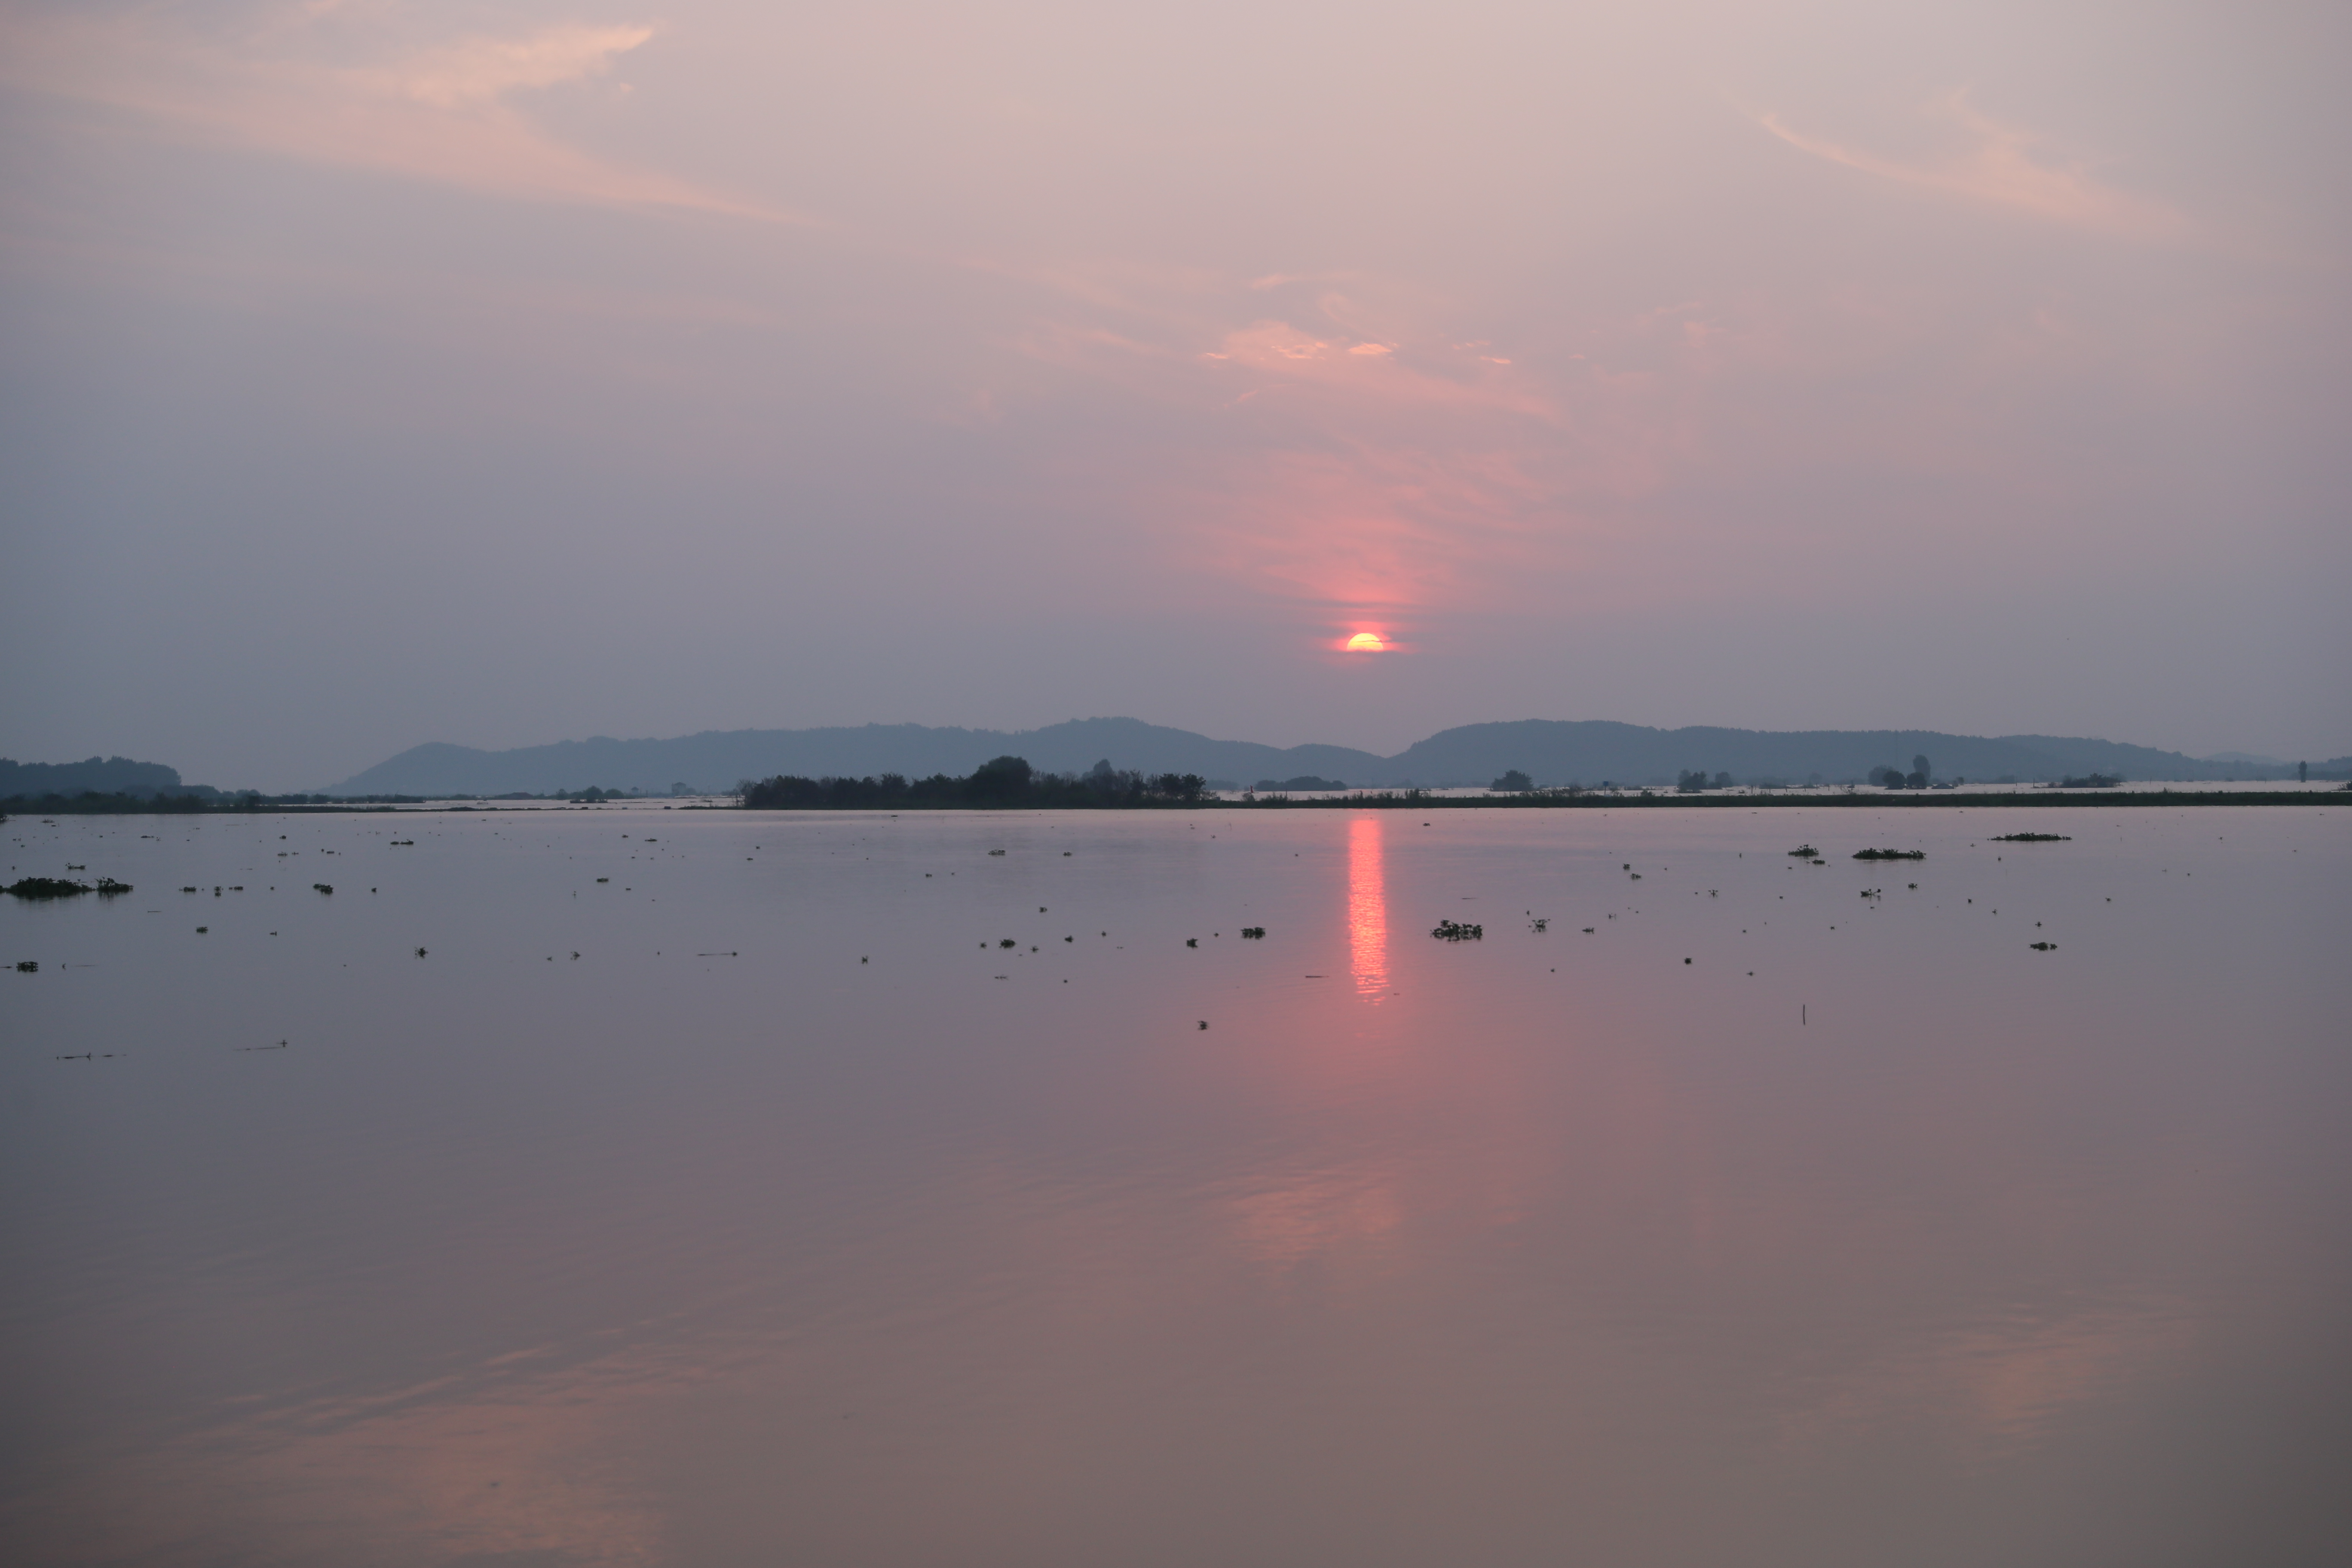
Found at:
<point>1366,642</point>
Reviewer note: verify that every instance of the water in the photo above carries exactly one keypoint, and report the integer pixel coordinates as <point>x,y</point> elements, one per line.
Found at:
<point>797,1220</point>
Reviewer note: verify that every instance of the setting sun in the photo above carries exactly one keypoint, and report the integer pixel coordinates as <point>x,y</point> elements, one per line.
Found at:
<point>1366,642</point>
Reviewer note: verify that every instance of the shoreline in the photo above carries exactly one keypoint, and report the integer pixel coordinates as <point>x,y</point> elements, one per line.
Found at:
<point>1382,801</point>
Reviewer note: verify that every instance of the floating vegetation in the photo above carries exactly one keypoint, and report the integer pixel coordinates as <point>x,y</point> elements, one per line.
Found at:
<point>1539,923</point>
<point>1191,941</point>
<point>1248,932</point>
<point>2033,838</point>
<point>1008,941</point>
<point>108,888</point>
<point>46,887</point>
<point>1451,930</point>
<point>996,852</point>
<point>1890,854</point>
<point>2042,946</point>
<point>320,888</point>
<point>28,966</point>
<point>1804,852</point>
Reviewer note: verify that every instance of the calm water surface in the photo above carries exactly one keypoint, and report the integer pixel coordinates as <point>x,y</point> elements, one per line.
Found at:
<point>758,1206</point>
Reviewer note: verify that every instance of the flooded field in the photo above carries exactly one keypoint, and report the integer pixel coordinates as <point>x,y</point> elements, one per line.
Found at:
<point>676,1187</point>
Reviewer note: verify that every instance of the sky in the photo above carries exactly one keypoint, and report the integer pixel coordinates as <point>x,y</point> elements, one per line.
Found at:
<point>381,371</point>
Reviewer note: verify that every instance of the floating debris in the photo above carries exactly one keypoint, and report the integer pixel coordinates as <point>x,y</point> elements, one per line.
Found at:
<point>1542,922</point>
<point>28,966</point>
<point>1890,854</point>
<point>1249,933</point>
<point>1452,931</point>
<point>1191,941</point>
<point>320,888</point>
<point>996,852</point>
<point>2034,838</point>
<point>1008,941</point>
<point>1204,1023</point>
<point>2042,946</point>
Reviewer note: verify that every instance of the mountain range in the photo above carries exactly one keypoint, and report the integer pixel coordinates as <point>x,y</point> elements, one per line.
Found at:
<point>1552,752</point>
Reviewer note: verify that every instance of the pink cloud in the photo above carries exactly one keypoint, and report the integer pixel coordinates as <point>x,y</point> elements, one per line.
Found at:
<point>441,114</point>
<point>2004,166</point>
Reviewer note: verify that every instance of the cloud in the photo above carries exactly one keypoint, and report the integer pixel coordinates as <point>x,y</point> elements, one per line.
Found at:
<point>481,70</point>
<point>2004,166</point>
<point>441,114</point>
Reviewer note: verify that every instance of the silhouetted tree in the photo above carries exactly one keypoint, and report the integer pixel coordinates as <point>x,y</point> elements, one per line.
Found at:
<point>1000,778</point>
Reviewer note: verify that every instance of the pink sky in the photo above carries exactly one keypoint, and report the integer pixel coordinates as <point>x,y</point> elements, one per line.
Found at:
<point>380,373</point>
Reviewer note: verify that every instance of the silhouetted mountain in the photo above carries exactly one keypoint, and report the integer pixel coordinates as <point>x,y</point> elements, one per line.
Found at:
<point>718,759</point>
<point>1554,751</point>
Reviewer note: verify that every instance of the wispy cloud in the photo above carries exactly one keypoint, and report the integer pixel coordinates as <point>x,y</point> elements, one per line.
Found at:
<point>2006,166</point>
<point>445,112</point>
<point>479,70</point>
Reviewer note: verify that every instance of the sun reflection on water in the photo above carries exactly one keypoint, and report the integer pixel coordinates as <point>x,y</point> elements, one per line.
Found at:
<point>1367,909</point>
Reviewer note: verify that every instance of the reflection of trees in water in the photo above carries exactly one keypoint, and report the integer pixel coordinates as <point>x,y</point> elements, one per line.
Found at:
<point>1368,908</point>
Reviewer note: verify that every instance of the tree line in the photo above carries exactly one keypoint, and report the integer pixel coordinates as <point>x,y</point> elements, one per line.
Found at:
<point>1004,782</point>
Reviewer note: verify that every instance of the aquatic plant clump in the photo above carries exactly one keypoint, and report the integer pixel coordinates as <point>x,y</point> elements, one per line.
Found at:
<point>1450,930</point>
<point>1804,852</point>
<point>46,887</point>
<point>1890,855</point>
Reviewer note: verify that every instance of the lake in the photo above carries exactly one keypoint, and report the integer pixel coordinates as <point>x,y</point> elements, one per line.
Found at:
<point>633,1186</point>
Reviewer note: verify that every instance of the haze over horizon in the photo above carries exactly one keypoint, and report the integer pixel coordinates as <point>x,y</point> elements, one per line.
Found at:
<point>385,373</point>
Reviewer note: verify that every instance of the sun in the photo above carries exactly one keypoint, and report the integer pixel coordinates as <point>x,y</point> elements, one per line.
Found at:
<point>1366,642</point>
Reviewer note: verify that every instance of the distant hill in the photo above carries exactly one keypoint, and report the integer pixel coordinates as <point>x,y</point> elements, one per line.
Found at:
<point>1553,752</point>
<point>718,759</point>
<point>103,775</point>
